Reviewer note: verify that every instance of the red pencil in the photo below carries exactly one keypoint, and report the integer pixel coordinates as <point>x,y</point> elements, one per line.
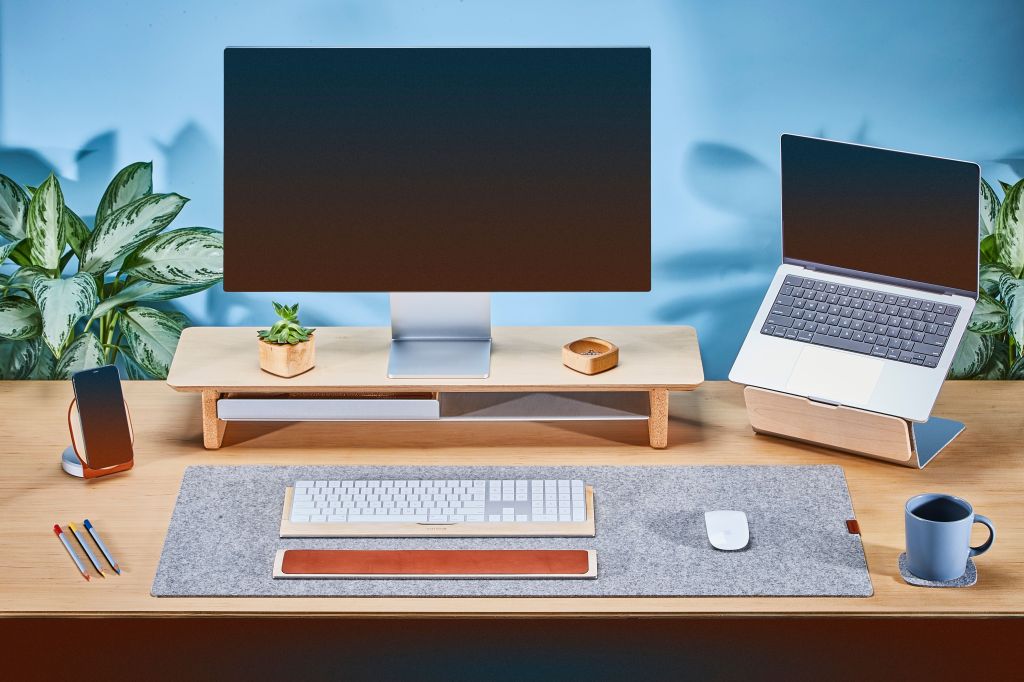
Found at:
<point>71,552</point>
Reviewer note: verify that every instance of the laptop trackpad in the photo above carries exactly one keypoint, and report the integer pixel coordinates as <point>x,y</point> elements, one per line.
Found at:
<point>835,376</point>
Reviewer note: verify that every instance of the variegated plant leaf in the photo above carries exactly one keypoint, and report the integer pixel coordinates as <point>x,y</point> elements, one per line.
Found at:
<point>972,356</point>
<point>122,231</point>
<point>62,303</point>
<point>145,291</point>
<point>13,209</point>
<point>75,231</point>
<point>5,249</point>
<point>989,316</point>
<point>179,317</point>
<point>85,352</point>
<point>17,358</point>
<point>19,318</point>
<point>45,365</point>
<point>998,364</point>
<point>191,255</point>
<point>1013,298</point>
<point>151,337</point>
<point>1016,371</point>
<point>989,208</point>
<point>988,250</point>
<point>46,225</point>
<point>132,368</point>
<point>1009,229</point>
<point>23,277</point>
<point>989,275</point>
<point>131,182</point>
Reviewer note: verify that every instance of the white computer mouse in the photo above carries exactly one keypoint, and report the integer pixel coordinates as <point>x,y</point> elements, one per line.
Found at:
<point>727,529</point>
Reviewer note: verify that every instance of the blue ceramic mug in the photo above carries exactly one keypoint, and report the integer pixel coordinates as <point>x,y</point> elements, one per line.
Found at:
<point>939,536</point>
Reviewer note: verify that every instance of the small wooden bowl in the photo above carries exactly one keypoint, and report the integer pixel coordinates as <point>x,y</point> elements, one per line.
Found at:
<point>590,355</point>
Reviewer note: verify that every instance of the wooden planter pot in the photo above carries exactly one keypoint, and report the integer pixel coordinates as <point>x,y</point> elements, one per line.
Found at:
<point>287,360</point>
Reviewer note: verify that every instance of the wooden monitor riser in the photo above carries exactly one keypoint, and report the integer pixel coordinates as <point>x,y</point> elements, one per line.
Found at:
<point>527,382</point>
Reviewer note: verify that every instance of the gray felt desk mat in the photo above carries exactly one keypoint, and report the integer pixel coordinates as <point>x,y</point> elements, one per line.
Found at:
<point>651,540</point>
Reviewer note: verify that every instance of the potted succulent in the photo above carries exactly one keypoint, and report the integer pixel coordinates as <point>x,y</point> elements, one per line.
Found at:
<point>286,349</point>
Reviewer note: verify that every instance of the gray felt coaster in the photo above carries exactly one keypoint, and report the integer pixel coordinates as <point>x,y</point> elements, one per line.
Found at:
<point>651,539</point>
<point>969,577</point>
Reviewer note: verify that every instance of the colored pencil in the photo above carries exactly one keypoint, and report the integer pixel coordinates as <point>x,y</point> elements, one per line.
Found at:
<point>71,552</point>
<point>103,548</point>
<point>88,552</point>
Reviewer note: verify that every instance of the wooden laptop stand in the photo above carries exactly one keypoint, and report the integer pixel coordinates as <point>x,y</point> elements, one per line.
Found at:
<point>860,432</point>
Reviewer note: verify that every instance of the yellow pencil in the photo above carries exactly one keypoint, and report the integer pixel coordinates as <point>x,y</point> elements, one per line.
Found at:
<point>88,552</point>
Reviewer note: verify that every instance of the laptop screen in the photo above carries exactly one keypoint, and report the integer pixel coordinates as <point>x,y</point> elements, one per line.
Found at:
<point>902,216</point>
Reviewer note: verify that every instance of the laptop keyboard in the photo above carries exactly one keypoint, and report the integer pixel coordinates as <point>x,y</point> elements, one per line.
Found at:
<point>860,320</point>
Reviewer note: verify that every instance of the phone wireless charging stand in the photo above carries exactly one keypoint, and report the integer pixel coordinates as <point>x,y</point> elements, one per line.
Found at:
<point>74,459</point>
<point>70,463</point>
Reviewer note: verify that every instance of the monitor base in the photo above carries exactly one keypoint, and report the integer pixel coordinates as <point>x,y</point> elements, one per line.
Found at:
<point>440,335</point>
<point>434,359</point>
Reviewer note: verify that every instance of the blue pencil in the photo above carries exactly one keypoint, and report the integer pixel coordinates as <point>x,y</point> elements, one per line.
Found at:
<point>103,548</point>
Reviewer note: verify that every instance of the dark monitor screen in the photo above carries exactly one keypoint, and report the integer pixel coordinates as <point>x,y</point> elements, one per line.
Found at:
<point>437,169</point>
<point>903,216</point>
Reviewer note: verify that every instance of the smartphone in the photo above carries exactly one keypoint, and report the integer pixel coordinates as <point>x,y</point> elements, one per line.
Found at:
<point>105,430</point>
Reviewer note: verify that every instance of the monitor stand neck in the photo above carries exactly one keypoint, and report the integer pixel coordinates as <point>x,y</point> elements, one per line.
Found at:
<point>440,335</point>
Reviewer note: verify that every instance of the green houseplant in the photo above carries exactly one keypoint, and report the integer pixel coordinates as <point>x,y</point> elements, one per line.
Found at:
<point>57,318</point>
<point>287,349</point>
<point>993,347</point>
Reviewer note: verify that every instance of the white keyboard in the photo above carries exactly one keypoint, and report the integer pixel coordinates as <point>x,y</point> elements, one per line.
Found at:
<point>468,508</point>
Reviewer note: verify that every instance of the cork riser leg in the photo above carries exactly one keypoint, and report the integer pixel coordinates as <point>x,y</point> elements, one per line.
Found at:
<point>213,428</point>
<point>657,423</point>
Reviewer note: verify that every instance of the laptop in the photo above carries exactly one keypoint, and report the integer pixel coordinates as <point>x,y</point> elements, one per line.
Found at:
<point>878,280</point>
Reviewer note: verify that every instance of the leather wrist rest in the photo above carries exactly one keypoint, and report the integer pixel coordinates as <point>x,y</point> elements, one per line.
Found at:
<point>435,562</point>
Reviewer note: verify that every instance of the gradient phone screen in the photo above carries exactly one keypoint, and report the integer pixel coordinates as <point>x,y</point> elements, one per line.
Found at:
<point>881,212</point>
<point>105,427</point>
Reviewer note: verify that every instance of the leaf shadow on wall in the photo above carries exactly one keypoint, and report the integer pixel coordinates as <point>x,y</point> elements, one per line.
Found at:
<point>94,162</point>
<point>721,285</point>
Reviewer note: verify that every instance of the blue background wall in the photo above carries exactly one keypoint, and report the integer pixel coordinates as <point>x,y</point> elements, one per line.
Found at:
<point>86,87</point>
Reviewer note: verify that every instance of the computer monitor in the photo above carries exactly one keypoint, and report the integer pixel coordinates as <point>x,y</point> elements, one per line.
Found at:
<point>438,174</point>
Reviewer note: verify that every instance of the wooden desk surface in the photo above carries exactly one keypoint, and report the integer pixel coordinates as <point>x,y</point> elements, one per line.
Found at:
<point>522,359</point>
<point>708,426</point>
